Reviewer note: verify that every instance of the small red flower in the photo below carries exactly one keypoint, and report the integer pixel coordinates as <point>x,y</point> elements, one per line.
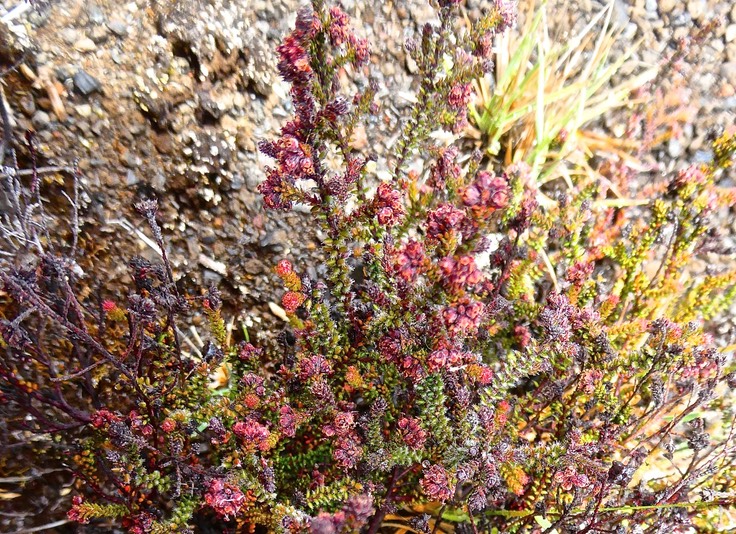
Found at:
<point>436,483</point>
<point>168,426</point>
<point>411,433</point>
<point>292,300</point>
<point>224,498</point>
<point>284,267</point>
<point>569,478</point>
<point>254,434</point>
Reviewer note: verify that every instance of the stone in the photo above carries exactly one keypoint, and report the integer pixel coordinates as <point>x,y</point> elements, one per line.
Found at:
<point>99,34</point>
<point>40,120</point>
<point>666,6</point>
<point>85,44</point>
<point>674,148</point>
<point>95,14</point>
<point>730,35</point>
<point>728,72</point>
<point>697,9</point>
<point>27,105</point>
<point>69,35</point>
<point>733,13</point>
<point>86,84</point>
<point>731,52</point>
<point>118,27</point>
<point>84,110</point>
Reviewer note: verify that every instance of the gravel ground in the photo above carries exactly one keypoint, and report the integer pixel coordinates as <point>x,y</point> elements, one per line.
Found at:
<point>169,99</point>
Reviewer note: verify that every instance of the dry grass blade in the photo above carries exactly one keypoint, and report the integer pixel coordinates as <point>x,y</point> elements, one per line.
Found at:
<point>545,93</point>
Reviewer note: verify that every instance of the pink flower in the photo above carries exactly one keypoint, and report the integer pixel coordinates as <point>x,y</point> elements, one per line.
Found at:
<point>411,260</point>
<point>460,272</point>
<point>342,425</point>
<point>287,421</point>
<point>446,168</point>
<point>314,365</point>
<point>464,316</point>
<point>254,434</point>
<point>339,26</point>
<point>444,359</point>
<point>486,194</point>
<point>347,451</point>
<point>444,220</point>
<point>224,498</point>
<point>569,478</point>
<point>411,433</point>
<point>459,96</point>
<point>436,483</point>
<point>387,204</point>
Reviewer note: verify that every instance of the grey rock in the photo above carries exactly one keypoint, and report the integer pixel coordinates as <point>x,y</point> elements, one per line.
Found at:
<point>40,120</point>
<point>85,44</point>
<point>728,72</point>
<point>69,35</point>
<point>118,27</point>
<point>95,14</point>
<point>703,156</point>
<point>674,148</point>
<point>666,6</point>
<point>85,83</point>
<point>27,105</point>
<point>99,34</point>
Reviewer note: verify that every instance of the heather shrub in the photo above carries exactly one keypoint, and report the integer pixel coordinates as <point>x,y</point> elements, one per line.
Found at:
<point>473,357</point>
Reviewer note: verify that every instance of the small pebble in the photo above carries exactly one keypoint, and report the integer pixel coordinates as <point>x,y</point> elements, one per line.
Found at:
<point>85,44</point>
<point>666,6</point>
<point>697,8</point>
<point>84,110</point>
<point>69,35</point>
<point>86,84</point>
<point>730,35</point>
<point>118,27</point>
<point>27,105</point>
<point>674,148</point>
<point>95,14</point>
<point>40,120</point>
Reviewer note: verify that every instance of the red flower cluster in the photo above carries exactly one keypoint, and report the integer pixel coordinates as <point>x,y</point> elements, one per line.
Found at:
<point>287,421</point>
<point>224,498</point>
<point>312,366</point>
<point>254,434</point>
<point>292,300</point>
<point>103,417</point>
<point>464,316</point>
<point>444,220</point>
<point>76,513</point>
<point>411,433</point>
<point>436,483</point>
<point>387,205</point>
<point>486,194</point>
<point>411,260</point>
<point>569,478</point>
<point>347,450</point>
<point>445,169</point>
<point>460,273</point>
<point>445,358</point>
<point>392,348</point>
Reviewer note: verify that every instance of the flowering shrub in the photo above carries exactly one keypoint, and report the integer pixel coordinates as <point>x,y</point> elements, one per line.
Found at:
<point>501,363</point>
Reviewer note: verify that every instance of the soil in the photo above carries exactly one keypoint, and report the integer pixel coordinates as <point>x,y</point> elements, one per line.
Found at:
<point>169,99</point>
